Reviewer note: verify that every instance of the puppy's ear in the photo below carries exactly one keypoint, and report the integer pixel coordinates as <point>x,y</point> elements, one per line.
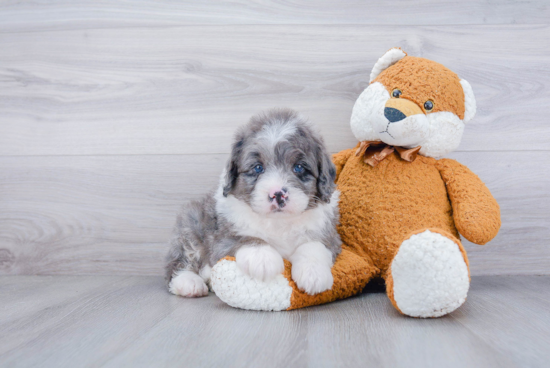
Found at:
<point>232,167</point>
<point>327,175</point>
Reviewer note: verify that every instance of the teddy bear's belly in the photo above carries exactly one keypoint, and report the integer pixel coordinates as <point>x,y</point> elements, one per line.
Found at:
<point>381,206</point>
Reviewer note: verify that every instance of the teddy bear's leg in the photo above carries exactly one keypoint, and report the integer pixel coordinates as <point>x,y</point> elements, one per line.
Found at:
<point>429,275</point>
<point>350,273</point>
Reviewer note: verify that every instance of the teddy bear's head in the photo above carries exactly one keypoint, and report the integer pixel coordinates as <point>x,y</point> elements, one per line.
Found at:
<point>413,102</point>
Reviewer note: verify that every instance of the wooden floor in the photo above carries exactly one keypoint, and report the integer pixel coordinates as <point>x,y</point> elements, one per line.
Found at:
<point>131,321</point>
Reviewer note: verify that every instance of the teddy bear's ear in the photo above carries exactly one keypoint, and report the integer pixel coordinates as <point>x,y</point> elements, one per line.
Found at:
<point>470,105</point>
<point>391,57</point>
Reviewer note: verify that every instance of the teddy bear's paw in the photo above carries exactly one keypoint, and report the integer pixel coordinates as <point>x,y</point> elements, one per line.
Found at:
<point>261,262</point>
<point>188,284</point>
<point>430,276</point>
<point>240,290</point>
<point>313,278</point>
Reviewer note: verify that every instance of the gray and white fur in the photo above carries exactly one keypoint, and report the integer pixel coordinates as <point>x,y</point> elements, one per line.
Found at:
<point>276,199</point>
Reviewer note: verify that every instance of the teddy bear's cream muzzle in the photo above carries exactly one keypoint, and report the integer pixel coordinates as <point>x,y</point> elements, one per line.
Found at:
<point>397,109</point>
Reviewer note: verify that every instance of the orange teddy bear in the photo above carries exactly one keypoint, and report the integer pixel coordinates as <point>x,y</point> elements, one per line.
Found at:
<point>401,209</point>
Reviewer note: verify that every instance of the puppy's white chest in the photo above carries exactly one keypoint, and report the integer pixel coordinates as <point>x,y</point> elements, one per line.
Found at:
<point>285,234</point>
<point>285,241</point>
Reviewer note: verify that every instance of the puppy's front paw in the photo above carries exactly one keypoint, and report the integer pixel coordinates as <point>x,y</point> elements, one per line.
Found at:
<point>188,284</point>
<point>313,278</point>
<point>261,262</point>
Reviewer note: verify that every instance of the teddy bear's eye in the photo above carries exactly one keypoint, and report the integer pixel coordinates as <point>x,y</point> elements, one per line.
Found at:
<point>396,93</point>
<point>428,105</point>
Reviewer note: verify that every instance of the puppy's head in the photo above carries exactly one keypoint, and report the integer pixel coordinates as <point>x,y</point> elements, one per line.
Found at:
<point>279,165</point>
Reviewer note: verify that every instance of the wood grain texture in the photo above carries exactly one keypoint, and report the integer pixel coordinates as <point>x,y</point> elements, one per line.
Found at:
<point>90,321</point>
<point>184,90</point>
<point>114,214</point>
<point>509,301</point>
<point>114,113</point>
<point>45,15</point>
<point>105,215</point>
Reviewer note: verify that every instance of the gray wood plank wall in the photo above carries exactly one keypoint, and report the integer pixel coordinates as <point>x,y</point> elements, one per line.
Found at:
<point>112,114</point>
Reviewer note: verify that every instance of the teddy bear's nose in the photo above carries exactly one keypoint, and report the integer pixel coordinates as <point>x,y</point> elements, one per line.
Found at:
<point>393,115</point>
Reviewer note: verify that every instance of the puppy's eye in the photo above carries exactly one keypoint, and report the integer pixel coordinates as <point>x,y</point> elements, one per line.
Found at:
<point>299,169</point>
<point>428,105</point>
<point>258,169</point>
<point>396,93</point>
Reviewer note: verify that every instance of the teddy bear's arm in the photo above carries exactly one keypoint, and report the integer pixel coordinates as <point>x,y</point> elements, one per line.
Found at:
<point>475,211</point>
<point>339,159</point>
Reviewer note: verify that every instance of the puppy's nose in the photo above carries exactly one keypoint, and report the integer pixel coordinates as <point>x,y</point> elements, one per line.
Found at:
<point>279,196</point>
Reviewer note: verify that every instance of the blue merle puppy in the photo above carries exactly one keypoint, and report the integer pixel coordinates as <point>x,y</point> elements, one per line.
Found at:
<point>276,199</point>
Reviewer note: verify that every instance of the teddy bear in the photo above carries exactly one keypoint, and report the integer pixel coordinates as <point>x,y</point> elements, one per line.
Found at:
<point>402,207</point>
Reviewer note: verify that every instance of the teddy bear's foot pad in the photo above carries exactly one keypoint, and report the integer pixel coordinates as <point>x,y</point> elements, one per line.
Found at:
<point>239,290</point>
<point>430,276</point>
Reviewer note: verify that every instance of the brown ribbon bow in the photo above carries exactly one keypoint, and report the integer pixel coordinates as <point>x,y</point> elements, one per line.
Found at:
<point>376,151</point>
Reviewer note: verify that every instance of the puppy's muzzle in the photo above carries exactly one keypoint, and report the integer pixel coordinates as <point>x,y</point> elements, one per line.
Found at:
<point>279,197</point>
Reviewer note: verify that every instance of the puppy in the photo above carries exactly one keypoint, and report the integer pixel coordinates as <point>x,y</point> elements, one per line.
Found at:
<point>276,199</point>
